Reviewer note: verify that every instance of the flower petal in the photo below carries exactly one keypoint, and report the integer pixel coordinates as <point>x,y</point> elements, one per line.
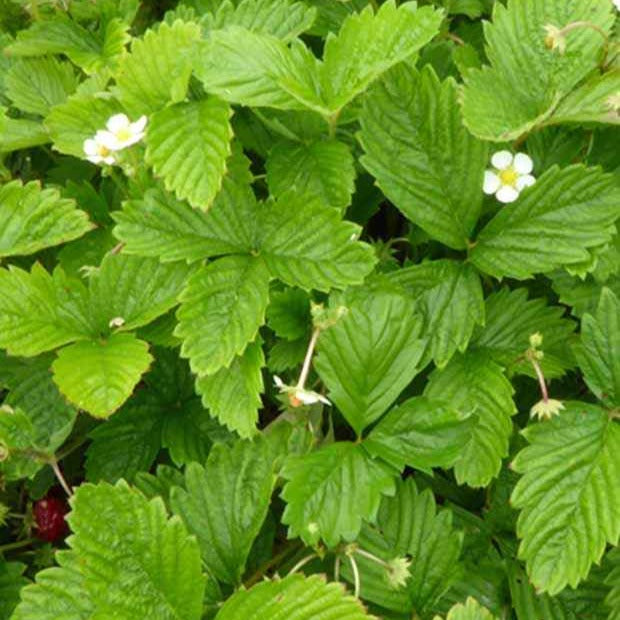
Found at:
<point>109,160</point>
<point>527,180</point>
<point>94,159</point>
<point>278,382</point>
<point>139,125</point>
<point>108,140</point>
<point>117,122</point>
<point>523,163</point>
<point>507,194</point>
<point>491,182</point>
<point>502,160</point>
<point>90,147</point>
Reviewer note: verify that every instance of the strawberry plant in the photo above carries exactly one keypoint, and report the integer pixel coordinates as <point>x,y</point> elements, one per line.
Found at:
<point>309,309</point>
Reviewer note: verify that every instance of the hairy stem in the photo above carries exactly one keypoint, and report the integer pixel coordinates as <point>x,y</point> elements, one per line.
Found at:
<point>305,369</point>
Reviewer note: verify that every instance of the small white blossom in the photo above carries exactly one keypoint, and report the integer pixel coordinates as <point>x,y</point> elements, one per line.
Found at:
<point>96,152</point>
<point>117,321</point>
<point>398,572</point>
<point>120,132</point>
<point>299,396</point>
<point>546,409</point>
<point>510,175</point>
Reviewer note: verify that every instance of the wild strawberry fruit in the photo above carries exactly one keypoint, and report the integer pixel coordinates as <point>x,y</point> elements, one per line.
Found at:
<point>49,516</point>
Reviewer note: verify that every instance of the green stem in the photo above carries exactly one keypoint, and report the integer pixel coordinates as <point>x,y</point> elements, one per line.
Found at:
<point>288,549</point>
<point>16,545</point>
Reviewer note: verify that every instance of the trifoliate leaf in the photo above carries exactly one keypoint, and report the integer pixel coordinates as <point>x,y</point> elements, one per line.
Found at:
<point>41,419</point>
<point>369,357</point>
<point>130,291</point>
<point>232,394</point>
<point>599,352</point>
<point>473,383</point>
<point>78,119</point>
<point>225,503</point>
<point>470,610</point>
<point>526,81</point>
<point>330,491</point>
<point>510,321</point>
<point>368,44</point>
<point>11,582</point>
<point>20,133</point>
<point>187,144</point>
<point>133,559</point>
<point>306,244</point>
<point>409,525</point>
<point>241,66</point>
<point>99,376</point>
<point>568,495</point>
<point>592,102</point>
<point>324,169</point>
<point>221,309</point>
<point>158,225</point>
<point>421,433</point>
<point>448,295</point>
<point>39,311</point>
<point>32,218</point>
<point>157,69</point>
<point>554,223</point>
<point>295,597</point>
<point>283,19</point>
<point>422,156</point>
<point>36,85</point>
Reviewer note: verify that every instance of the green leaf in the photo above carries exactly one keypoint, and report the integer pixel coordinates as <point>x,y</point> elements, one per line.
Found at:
<point>32,218</point>
<point>187,144</point>
<point>133,291</point>
<point>553,223</point>
<point>78,119</point>
<point>324,169</point>
<point>225,503</point>
<point>257,70</point>
<point>422,156</point>
<point>599,353</point>
<point>306,244</point>
<point>568,495</point>
<point>448,295</point>
<point>283,19</point>
<point>11,582</point>
<point>61,35</point>
<point>99,376</point>
<point>295,597</point>
<point>409,525</point>
<point>421,433</point>
<point>39,311</point>
<point>128,558</point>
<point>232,394</point>
<point>470,610</point>
<point>221,309</point>
<point>368,44</point>
<point>331,490</point>
<point>474,383</point>
<point>581,295</point>
<point>288,313</point>
<point>41,419</point>
<point>370,356</point>
<point>591,102</point>
<point>157,70</point>
<point>510,321</point>
<point>526,81</point>
<point>20,133</point>
<point>613,580</point>
<point>158,225</point>
<point>36,85</point>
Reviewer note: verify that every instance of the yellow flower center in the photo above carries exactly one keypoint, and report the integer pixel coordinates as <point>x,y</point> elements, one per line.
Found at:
<point>104,151</point>
<point>509,176</point>
<point>123,135</point>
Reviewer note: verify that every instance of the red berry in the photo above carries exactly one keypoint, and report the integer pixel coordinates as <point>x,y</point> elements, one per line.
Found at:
<point>49,515</point>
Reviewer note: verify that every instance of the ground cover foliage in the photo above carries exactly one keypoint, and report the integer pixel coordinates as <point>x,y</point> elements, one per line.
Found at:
<point>309,309</point>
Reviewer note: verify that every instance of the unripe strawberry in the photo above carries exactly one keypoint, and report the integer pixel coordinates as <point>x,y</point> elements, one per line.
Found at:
<point>49,516</point>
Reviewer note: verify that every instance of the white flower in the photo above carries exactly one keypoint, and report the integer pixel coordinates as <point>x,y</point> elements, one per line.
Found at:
<point>120,132</point>
<point>546,409</point>
<point>96,152</point>
<point>298,396</point>
<point>117,321</point>
<point>510,176</point>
